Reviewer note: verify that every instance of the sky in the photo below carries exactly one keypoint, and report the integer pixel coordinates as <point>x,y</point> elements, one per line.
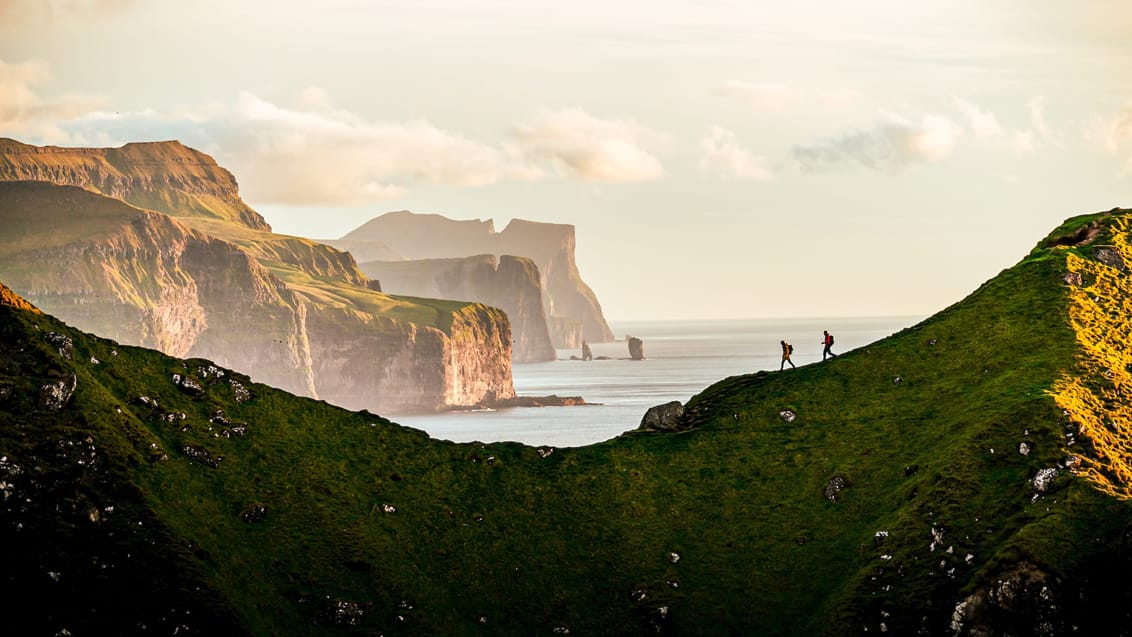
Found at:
<point>719,159</point>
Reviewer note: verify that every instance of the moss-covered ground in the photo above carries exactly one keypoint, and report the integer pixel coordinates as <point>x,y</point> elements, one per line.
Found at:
<point>317,521</point>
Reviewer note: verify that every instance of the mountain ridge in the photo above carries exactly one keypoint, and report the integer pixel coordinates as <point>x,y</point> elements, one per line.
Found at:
<point>163,176</point>
<point>928,483</point>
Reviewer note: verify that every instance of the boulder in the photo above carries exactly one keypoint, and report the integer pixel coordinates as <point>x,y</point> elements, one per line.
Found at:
<point>54,396</point>
<point>1109,257</point>
<point>62,343</point>
<point>254,513</point>
<point>1022,600</point>
<point>834,487</point>
<point>664,417</point>
<point>636,348</point>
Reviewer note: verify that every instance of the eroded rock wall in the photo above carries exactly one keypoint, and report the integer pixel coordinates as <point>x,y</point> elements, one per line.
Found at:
<point>551,246</point>
<point>510,283</point>
<point>145,278</point>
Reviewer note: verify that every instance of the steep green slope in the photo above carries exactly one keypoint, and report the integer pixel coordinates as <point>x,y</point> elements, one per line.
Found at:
<point>919,485</point>
<point>166,177</point>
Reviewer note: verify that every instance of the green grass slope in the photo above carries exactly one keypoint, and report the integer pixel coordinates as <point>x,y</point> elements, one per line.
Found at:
<point>923,486</point>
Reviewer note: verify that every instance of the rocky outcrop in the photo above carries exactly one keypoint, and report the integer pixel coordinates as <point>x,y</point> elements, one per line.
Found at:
<point>664,417</point>
<point>507,282</point>
<point>307,324</point>
<point>566,297</point>
<point>167,177</point>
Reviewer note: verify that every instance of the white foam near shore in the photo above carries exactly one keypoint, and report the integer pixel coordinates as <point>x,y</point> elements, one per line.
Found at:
<point>682,358</point>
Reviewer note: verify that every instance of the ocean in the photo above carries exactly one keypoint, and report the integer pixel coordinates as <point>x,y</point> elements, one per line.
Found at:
<point>682,359</point>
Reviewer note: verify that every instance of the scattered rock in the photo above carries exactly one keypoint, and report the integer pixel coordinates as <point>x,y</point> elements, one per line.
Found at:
<point>1024,448</point>
<point>1043,479</point>
<point>545,451</point>
<point>240,392</point>
<point>254,513</point>
<point>897,380</point>
<point>834,487</point>
<point>188,385</point>
<point>636,348</point>
<point>673,557</point>
<point>879,537</point>
<point>201,455</point>
<point>5,392</point>
<point>342,613</point>
<point>664,417</point>
<point>787,415</point>
<point>62,343</point>
<point>587,354</point>
<point>54,396</point>
<point>1074,279</point>
<point>388,508</point>
<point>932,341</point>
<point>911,470</point>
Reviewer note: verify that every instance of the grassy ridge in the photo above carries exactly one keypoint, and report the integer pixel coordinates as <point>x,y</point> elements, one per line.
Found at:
<point>725,528</point>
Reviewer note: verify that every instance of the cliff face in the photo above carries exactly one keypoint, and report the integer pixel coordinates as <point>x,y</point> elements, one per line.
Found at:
<point>304,321</point>
<point>510,283</point>
<point>566,297</point>
<point>167,177</point>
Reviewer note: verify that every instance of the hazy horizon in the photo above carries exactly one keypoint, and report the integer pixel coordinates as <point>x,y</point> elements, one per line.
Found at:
<point>717,158</point>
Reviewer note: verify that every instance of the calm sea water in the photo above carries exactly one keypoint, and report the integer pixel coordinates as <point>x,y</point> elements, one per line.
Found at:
<point>682,358</point>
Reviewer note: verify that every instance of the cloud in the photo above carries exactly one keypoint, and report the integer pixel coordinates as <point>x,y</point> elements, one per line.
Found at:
<point>768,96</point>
<point>317,154</point>
<point>986,129</point>
<point>24,113</point>
<point>313,152</point>
<point>579,144</point>
<point>893,143</point>
<point>720,152</point>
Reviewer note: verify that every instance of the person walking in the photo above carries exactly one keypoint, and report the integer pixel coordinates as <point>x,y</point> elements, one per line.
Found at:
<point>787,350</point>
<point>828,342</point>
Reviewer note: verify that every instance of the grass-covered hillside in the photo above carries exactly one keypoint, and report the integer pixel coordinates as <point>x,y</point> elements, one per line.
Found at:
<point>942,481</point>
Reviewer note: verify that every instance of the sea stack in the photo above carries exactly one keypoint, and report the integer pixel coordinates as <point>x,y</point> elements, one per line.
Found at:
<point>636,348</point>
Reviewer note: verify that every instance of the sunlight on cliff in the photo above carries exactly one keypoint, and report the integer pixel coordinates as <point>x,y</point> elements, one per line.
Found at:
<point>1096,397</point>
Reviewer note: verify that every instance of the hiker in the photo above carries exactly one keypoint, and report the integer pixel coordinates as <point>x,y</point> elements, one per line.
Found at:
<point>787,350</point>
<point>828,342</point>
